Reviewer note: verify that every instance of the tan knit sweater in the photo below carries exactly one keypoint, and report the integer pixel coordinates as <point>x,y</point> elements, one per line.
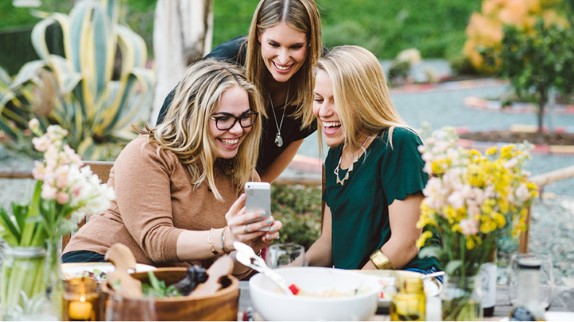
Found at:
<point>155,202</point>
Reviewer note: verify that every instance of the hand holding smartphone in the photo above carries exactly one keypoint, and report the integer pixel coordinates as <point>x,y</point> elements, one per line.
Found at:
<point>258,197</point>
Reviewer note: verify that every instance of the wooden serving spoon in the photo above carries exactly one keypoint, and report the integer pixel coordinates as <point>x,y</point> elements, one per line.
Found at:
<point>120,280</point>
<point>220,268</point>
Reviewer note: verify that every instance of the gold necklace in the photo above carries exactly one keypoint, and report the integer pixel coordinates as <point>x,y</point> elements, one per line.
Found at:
<point>278,139</point>
<point>351,167</point>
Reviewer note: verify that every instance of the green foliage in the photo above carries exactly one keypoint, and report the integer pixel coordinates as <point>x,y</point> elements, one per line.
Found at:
<point>87,91</point>
<point>537,61</point>
<point>385,27</point>
<point>436,28</point>
<point>158,288</point>
<point>299,209</point>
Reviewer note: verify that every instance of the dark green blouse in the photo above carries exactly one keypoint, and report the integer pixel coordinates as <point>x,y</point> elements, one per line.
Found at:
<point>360,208</point>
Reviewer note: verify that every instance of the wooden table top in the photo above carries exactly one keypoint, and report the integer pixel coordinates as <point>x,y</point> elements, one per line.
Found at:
<point>501,310</point>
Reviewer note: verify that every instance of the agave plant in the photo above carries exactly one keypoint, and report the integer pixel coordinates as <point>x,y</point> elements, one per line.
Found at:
<point>84,91</point>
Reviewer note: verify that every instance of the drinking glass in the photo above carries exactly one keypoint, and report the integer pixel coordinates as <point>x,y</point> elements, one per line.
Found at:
<point>130,309</point>
<point>288,254</point>
<point>546,277</point>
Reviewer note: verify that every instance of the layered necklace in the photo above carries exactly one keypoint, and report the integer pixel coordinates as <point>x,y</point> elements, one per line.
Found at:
<point>355,159</point>
<point>278,139</point>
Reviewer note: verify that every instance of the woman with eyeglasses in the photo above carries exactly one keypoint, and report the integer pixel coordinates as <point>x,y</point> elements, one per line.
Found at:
<point>283,45</point>
<point>179,185</point>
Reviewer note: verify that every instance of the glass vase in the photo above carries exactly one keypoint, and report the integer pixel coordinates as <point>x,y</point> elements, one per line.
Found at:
<point>31,284</point>
<point>54,279</point>
<point>461,298</point>
<point>22,282</point>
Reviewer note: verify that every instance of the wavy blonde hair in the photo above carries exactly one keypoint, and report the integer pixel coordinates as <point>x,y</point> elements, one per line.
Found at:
<point>361,93</point>
<point>303,16</point>
<point>185,129</point>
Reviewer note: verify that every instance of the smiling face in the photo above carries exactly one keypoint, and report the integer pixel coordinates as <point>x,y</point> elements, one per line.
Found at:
<point>233,101</point>
<point>325,110</point>
<point>283,50</point>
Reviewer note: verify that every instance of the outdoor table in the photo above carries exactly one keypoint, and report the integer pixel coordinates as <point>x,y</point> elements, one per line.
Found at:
<point>501,310</point>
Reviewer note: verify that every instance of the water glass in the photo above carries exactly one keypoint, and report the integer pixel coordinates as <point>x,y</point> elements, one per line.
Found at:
<point>130,309</point>
<point>288,254</point>
<point>546,277</point>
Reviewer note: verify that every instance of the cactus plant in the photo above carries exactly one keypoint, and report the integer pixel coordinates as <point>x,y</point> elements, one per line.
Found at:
<point>83,91</point>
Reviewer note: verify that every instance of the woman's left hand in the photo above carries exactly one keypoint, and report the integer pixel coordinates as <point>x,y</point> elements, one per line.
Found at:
<point>253,228</point>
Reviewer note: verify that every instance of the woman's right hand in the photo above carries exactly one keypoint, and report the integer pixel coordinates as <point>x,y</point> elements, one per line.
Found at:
<point>253,228</point>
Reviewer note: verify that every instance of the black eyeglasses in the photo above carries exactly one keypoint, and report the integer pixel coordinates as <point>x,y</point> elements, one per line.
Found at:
<point>226,121</point>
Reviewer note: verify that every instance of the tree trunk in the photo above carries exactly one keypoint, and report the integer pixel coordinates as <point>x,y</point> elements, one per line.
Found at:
<point>542,99</point>
<point>182,35</point>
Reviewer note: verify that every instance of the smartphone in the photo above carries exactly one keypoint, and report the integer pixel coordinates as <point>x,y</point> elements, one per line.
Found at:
<point>258,197</point>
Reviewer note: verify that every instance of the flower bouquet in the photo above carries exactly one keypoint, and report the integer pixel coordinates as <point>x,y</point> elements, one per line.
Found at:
<point>468,199</point>
<point>64,192</point>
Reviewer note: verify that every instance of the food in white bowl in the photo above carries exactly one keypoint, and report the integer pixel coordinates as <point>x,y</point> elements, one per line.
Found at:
<point>324,294</point>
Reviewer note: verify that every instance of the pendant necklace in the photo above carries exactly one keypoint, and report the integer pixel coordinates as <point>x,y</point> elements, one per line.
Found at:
<point>278,139</point>
<point>355,159</point>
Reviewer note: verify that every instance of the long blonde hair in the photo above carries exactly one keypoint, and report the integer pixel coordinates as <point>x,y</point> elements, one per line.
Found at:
<point>361,93</point>
<point>303,16</point>
<point>185,129</point>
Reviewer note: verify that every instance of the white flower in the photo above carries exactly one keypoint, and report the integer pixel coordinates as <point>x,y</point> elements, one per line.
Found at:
<point>75,188</point>
<point>469,227</point>
<point>34,125</point>
<point>411,56</point>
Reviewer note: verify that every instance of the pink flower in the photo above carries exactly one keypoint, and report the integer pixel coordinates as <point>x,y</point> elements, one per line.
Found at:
<point>62,198</point>
<point>41,144</point>
<point>469,227</point>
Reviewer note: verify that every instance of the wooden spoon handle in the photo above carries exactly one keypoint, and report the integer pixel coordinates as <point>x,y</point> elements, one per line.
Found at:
<point>221,267</point>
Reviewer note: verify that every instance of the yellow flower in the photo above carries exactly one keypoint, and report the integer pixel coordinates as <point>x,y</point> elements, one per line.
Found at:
<point>423,238</point>
<point>491,191</point>
<point>439,166</point>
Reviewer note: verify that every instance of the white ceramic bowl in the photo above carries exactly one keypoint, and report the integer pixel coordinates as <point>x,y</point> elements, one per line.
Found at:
<point>271,304</point>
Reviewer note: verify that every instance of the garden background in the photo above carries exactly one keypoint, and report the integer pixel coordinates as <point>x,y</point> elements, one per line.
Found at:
<point>438,87</point>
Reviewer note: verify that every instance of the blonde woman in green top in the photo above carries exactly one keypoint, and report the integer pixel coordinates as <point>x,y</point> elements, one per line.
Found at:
<point>374,171</point>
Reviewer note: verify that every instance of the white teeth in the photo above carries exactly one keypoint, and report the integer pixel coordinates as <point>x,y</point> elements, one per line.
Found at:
<point>230,141</point>
<point>282,68</point>
<point>331,124</point>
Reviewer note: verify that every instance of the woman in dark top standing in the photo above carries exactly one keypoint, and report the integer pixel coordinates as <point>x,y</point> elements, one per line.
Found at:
<point>283,45</point>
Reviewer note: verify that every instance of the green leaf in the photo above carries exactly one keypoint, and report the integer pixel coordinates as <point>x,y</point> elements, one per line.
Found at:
<point>430,251</point>
<point>154,282</point>
<point>10,233</point>
<point>452,266</point>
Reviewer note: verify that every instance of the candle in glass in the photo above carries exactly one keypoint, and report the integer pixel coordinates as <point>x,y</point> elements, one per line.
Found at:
<point>81,300</point>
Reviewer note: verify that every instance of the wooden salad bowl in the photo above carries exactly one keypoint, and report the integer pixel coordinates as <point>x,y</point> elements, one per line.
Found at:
<point>221,306</point>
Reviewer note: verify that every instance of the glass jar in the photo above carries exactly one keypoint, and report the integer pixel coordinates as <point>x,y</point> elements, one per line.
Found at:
<point>409,303</point>
<point>461,299</point>
<point>23,282</point>
<point>528,305</point>
<point>81,300</point>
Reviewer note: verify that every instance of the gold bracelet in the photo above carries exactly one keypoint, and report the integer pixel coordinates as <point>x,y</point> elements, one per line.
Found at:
<point>381,261</point>
<point>213,250</point>
<point>223,240</point>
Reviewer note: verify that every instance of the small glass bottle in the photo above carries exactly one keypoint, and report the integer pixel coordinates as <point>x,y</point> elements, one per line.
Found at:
<point>488,276</point>
<point>409,303</point>
<point>81,300</point>
<point>528,306</point>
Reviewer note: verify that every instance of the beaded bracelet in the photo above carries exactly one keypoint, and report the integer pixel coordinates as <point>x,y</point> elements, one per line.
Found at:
<point>223,240</point>
<point>209,240</point>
